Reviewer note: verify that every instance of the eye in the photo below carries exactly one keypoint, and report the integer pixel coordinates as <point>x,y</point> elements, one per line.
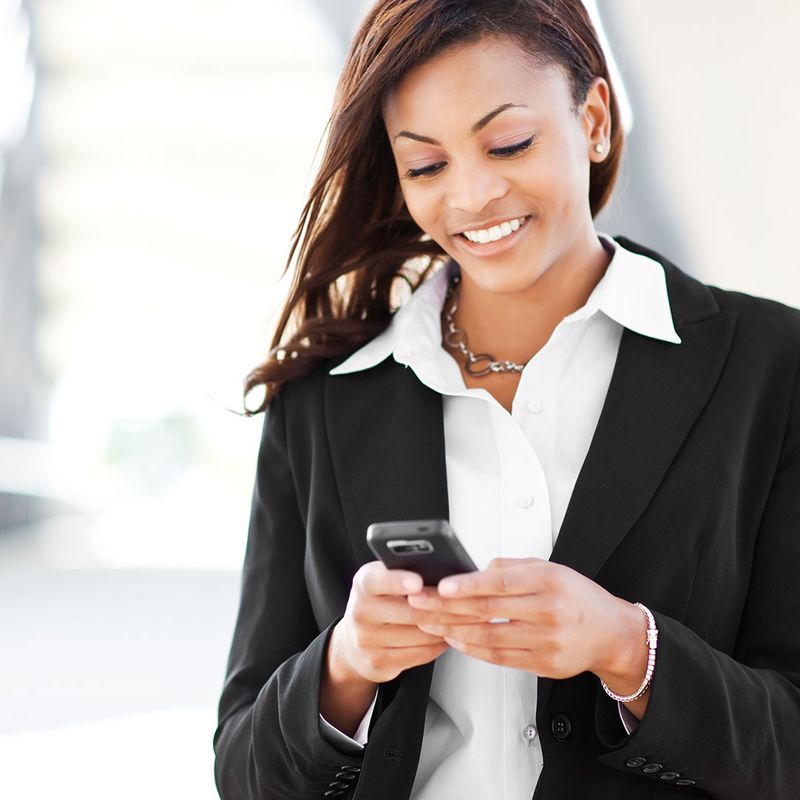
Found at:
<point>513,149</point>
<point>418,173</point>
<point>503,152</point>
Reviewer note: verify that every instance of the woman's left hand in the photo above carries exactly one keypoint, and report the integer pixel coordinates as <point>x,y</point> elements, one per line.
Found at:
<point>560,623</point>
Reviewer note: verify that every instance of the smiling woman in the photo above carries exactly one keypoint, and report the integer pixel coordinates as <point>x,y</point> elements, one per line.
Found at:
<point>560,397</point>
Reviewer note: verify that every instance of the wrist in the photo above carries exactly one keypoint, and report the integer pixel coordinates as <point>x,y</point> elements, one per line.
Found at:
<point>624,664</point>
<point>345,695</point>
<point>339,671</point>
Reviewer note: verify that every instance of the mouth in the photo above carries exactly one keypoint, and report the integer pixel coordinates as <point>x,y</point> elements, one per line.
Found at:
<point>495,239</point>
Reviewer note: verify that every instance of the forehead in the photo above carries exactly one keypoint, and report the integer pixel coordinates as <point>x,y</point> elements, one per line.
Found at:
<point>469,79</point>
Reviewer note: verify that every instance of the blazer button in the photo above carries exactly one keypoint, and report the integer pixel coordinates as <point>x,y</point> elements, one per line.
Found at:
<point>636,762</point>
<point>685,782</point>
<point>560,727</point>
<point>651,768</point>
<point>669,776</point>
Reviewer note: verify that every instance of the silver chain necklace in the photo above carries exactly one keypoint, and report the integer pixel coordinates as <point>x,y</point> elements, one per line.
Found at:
<point>456,338</point>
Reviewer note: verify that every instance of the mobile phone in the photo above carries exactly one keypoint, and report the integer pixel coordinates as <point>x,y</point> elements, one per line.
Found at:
<point>428,547</point>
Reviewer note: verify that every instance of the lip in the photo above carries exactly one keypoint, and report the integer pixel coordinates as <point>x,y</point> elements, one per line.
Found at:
<point>489,223</point>
<point>501,245</point>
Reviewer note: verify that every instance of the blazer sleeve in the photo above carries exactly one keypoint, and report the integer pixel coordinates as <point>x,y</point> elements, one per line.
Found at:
<point>268,742</point>
<point>730,724</point>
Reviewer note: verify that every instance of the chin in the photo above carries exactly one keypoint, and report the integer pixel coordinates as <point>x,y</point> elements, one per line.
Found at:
<point>500,280</point>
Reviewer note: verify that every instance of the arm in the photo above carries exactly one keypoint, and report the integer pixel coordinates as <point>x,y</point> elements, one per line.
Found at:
<point>731,723</point>
<point>268,741</point>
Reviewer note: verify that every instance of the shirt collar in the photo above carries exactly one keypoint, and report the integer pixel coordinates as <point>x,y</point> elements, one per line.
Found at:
<point>632,292</point>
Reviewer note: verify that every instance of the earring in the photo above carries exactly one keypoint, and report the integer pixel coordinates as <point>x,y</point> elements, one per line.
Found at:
<point>598,148</point>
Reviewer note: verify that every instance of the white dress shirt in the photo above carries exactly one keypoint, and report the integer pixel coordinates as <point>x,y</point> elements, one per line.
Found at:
<point>509,479</point>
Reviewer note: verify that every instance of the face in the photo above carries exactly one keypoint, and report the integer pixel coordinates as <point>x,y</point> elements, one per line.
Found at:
<point>493,162</point>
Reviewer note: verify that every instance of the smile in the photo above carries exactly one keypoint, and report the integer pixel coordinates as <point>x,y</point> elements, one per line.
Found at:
<point>496,232</point>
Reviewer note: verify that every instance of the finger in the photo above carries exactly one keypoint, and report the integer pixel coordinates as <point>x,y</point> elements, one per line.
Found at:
<point>383,665</point>
<point>375,579</point>
<point>505,657</point>
<point>387,610</point>
<point>391,637</point>
<point>405,657</point>
<point>516,579</point>
<point>510,562</point>
<point>523,607</point>
<point>508,635</point>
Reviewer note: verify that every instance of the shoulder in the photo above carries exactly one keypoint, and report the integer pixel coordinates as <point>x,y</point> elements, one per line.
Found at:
<point>305,401</point>
<point>771,317</point>
<point>760,323</point>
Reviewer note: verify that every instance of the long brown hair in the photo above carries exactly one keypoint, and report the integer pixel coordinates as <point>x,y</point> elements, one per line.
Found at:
<point>355,238</point>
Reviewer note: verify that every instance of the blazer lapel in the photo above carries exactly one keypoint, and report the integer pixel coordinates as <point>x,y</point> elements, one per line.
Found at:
<point>656,393</point>
<point>387,444</point>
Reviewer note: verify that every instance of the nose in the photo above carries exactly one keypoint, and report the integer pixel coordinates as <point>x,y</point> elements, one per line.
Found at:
<point>472,188</point>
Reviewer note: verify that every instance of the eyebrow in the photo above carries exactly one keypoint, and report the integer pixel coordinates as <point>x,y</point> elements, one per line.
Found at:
<point>479,125</point>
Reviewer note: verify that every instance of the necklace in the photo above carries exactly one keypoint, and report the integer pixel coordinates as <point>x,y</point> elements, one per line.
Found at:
<point>456,338</point>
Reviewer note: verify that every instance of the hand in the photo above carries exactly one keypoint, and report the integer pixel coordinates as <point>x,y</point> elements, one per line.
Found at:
<point>378,638</point>
<point>560,623</point>
<point>379,635</point>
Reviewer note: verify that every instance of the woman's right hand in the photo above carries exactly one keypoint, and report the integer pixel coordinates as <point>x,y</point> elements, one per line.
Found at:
<point>378,636</point>
<point>375,641</point>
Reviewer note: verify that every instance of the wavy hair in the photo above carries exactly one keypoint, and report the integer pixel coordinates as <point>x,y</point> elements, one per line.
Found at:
<point>355,239</point>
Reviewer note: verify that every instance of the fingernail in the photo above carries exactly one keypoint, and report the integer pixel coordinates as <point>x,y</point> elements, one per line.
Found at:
<point>434,629</point>
<point>448,587</point>
<point>411,584</point>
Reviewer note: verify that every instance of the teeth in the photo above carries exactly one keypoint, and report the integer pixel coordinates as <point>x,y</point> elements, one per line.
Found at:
<point>496,232</point>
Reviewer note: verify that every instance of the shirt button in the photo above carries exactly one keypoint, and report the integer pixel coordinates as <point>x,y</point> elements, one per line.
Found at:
<point>526,501</point>
<point>534,407</point>
<point>529,733</point>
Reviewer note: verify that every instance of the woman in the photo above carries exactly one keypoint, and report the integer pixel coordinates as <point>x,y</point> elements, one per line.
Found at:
<point>615,443</point>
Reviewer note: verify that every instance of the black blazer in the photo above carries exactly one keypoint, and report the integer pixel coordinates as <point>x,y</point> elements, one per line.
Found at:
<point>688,501</point>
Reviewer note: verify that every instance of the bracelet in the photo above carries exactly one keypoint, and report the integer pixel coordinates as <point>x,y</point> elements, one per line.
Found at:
<point>652,644</point>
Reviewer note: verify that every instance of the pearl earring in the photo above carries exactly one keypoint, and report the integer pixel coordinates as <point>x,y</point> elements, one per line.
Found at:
<point>598,148</point>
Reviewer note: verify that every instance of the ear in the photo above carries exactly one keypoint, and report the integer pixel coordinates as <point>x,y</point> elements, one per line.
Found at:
<point>595,114</point>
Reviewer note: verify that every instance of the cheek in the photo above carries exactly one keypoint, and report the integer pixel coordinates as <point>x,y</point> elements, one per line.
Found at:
<point>424,209</point>
<point>560,180</point>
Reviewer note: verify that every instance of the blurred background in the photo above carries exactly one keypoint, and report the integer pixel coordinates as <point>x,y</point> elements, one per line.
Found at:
<point>154,158</point>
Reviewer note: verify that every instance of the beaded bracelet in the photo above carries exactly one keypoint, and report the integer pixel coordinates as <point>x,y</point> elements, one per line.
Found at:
<point>652,644</point>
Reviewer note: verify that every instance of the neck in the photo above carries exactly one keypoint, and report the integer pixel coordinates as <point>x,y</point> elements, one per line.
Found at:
<point>515,326</point>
